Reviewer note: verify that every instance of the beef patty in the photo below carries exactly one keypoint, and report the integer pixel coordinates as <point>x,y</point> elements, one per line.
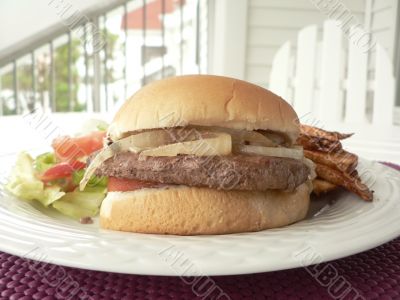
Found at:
<point>237,172</point>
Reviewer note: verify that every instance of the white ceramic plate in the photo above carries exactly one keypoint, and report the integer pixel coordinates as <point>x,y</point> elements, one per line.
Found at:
<point>338,225</point>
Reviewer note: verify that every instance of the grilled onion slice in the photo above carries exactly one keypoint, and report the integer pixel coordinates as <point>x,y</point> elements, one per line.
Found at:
<point>209,144</point>
<point>241,137</point>
<point>272,151</point>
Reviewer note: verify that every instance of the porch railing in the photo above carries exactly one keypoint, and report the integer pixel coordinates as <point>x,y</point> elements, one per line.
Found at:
<point>95,58</point>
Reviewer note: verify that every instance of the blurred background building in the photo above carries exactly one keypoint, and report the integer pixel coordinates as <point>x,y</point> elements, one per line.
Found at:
<point>92,57</point>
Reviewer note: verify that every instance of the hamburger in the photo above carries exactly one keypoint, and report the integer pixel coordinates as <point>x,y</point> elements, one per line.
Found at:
<point>202,154</point>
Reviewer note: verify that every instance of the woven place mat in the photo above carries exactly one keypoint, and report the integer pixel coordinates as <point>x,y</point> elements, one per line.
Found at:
<point>374,274</point>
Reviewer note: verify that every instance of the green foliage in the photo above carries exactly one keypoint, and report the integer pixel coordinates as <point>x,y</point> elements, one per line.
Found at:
<point>110,47</point>
<point>61,75</point>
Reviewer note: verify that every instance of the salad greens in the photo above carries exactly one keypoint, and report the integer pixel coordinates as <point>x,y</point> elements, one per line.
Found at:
<point>102,126</point>
<point>53,178</point>
<point>80,204</point>
<point>45,161</point>
<point>51,195</point>
<point>94,181</point>
<point>92,125</point>
<point>24,184</point>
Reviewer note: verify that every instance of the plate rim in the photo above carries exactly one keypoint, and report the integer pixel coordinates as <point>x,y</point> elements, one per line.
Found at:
<point>166,270</point>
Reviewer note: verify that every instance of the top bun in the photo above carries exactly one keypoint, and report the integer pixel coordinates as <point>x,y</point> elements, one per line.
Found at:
<point>205,100</point>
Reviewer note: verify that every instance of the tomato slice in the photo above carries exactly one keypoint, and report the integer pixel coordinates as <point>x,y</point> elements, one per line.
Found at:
<point>124,185</point>
<point>69,148</point>
<point>62,170</point>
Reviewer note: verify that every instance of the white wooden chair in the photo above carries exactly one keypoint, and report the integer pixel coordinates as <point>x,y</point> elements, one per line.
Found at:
<point>327,82</point>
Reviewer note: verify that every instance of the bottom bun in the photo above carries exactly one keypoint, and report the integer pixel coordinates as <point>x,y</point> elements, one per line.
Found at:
<point>192,211</point>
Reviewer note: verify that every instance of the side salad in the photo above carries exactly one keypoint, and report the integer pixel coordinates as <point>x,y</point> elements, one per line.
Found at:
<point>53,178</point>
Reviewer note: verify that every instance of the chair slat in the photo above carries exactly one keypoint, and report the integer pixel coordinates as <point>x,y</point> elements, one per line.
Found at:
<point>305,71</point>
<point>356,81</point>
<point>280,75</point>
<point>330,97</point>
<point>383,107</point>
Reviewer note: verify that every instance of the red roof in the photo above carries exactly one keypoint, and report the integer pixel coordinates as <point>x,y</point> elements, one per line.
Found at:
<point>153,14</point>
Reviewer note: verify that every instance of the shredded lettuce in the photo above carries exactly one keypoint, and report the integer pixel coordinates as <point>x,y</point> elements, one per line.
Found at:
<point>80,204</point>
<point>51,194</point>
<point>94,189</point>
<point>102,126</point>
<point>94,181</point>
<point>24,184</point>
<point>92,125</point>
<point>45,161</point>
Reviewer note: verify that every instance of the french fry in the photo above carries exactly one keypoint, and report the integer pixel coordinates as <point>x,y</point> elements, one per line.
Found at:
<point>318,144</point>
<point>354,174</point>
<point>313,138</point>
<point>341,160</point>
<point>321,133</point>
<point>334,166</point>
<point>321,186</point>
<point>336,177</point>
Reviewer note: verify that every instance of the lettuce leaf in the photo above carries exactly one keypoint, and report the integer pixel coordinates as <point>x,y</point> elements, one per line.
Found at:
<point>92,125</point>
<point>80,204</point>
<point>103,126</point>
<point>51,194</point>
<point>73,211</point>
<point>24,184</point>
<point>44,162</point>
<point>94,181</point>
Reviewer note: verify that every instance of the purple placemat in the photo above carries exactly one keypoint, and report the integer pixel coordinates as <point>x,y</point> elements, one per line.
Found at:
<point>373,274</point>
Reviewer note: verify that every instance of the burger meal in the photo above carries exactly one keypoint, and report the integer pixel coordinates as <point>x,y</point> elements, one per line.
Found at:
<point>191,155</point>
<point>203,155</point>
